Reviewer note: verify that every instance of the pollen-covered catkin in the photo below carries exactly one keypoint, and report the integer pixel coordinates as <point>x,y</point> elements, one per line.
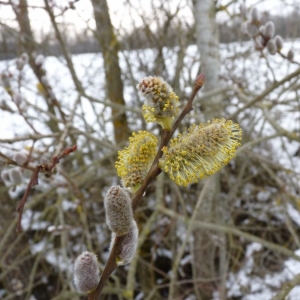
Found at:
<point>128,246</point>
<point>162,102</point>
<point>86,272</point>
<point>201,151</point>
<point>118,210</point>
<point>135,161</point>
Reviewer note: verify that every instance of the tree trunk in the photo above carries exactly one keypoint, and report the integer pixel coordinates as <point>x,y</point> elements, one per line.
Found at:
<point>29,46</point>
<point>114,85</point>
<point>209,247</point>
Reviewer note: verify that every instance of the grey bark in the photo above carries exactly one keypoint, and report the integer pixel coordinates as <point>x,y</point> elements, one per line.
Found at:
<point>114,84</point>
<point>209,247</point>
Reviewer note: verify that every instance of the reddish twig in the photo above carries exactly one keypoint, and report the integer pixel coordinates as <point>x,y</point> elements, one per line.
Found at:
<point>34,180</point>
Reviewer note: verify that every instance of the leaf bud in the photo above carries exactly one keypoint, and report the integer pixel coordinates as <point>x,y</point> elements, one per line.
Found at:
<point>20,158</point>
<point>15,176</point>
<point>279,42</point>
<point>271,47</point>
<point>128,246</point>
<point>290,55</point>
<point>118,210</point>
<point>86,272</point>
<point>269,29</point>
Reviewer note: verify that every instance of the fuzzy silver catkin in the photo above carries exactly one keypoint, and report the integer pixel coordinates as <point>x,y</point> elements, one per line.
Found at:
<point>5,176</point>
<point>22,61</point>
<point>15,176</point>
<point>269,30</point>
<point>5,80</point>
<point>255,15</point>
<point>262,30</point>
<point>290,55</point>
<point>17,98</point>
<point>20,158</point>
<point>86,272</point>
<point>272,47</point>
<point>118,210</point>
<point>128,246</point>
<point>279,42</point>
<point>252,30</point>
<point>39,60</point>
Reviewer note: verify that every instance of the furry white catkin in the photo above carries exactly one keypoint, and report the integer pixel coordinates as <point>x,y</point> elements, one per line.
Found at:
<point>128,246</point>
<point>86,272</point>
<point>20,158</point>
<point>118,210</point>
<point>15,176</point>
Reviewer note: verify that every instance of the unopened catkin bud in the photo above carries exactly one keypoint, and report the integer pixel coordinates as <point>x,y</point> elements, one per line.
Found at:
<point>5,80</point>
<point>39,60</point>
<point>242,10</point>
<point>22,61</point>
<point>272,47</point>
<point>118,210</point>
<point>15,176</point>
<point>20,158</point>
<point>86,272</point>
<point>255,15</point>
<point>17,98</point>
<point>279,42</point>
<point>269,30</point>
<point>5,176</point>
<point>128,246</point>
<point>244,28</point>
<point>262,30</point>
<point>290,55</point>
<point>252,30</point>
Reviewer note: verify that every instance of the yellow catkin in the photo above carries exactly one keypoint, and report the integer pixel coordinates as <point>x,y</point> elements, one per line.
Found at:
<point>134,161</point>
<point>162,102</point>
<point>201,151</point>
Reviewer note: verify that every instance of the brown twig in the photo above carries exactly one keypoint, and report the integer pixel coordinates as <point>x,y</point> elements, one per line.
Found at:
<point>137,197</point>
<point>34,180</point>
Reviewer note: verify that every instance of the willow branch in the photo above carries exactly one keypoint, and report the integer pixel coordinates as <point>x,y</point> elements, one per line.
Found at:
<point>137,197</point>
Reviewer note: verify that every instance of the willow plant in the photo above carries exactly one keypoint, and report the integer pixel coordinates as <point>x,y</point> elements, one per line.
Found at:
<point>200,151</point>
